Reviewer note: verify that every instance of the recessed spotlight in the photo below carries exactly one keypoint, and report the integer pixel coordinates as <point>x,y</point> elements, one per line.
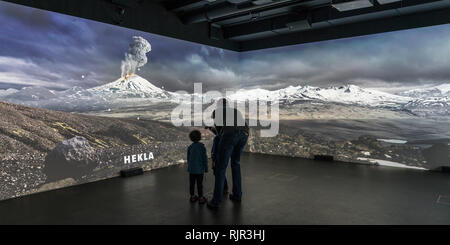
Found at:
<point>388,1</point>
<point>262,2</point>
<point>120,10</point>
<point>299,25</point>
<point>351,5</point>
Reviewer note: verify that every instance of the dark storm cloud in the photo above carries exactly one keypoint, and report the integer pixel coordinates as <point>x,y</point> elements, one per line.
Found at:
<point>28,16</point>
<point>65,48</point>
<point>54,50</point>
<point>60,45</point>
<point>406,58</point>
<point>183,73</point>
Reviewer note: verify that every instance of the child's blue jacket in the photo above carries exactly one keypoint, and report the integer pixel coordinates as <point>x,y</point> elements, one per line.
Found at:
<point>197,158</point>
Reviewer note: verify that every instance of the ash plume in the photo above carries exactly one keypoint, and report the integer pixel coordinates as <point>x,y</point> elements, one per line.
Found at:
<point>136,56</point>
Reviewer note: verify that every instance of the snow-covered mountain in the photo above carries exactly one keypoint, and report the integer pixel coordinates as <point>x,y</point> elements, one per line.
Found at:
<point>6,92</point>
<point>432,101</point>
<point>131,87</point>
<point>348,94</point>
<point>442,90</point>
<point>131,91</point>
<point>434,106</point>
<point>137,91</point>
<point>75,92</point>
<point>33,93</point>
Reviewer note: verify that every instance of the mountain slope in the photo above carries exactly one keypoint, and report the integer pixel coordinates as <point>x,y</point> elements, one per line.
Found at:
<point>26,129</point>
<point>429,107</point>
<point>28,134</point>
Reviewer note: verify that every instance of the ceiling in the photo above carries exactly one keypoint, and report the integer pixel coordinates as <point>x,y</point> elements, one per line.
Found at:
<point>243,25</point>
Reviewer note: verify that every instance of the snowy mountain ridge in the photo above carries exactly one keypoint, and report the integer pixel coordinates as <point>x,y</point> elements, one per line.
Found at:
<point>347,94</point>
<point>442,90</point>
<point>432,101</point>
<point>135,91</point>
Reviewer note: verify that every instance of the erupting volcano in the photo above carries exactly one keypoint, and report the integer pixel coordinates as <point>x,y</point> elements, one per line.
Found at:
<point>130,86</point>
<point>127,76</point>
<point>136,56</point>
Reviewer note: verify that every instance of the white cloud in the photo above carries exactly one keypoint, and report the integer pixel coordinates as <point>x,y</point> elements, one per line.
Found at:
<point>26,73</point>
<point>221,53</point>
<point>12,62</point>
<point>195,59</point>
<point>204,50</point>
<point>202,71</point>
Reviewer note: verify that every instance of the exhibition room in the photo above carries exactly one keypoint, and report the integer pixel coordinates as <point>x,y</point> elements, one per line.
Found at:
<point>110,112</point>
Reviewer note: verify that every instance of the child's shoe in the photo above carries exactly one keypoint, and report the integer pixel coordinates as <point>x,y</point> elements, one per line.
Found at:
<point>202,200</point>
<point>194,198</point>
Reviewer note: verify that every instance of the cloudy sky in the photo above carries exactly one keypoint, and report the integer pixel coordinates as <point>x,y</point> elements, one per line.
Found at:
<point>41,48</point>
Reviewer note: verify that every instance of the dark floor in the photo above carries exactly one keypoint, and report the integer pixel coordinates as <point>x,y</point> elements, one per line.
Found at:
<point>277,190</point>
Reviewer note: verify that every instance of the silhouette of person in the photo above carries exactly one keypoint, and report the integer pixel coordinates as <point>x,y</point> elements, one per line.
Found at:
<point>214,149</point>
<point>233,131</point>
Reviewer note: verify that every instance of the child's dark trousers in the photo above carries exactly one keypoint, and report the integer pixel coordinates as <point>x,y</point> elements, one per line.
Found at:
<point>196,178</point>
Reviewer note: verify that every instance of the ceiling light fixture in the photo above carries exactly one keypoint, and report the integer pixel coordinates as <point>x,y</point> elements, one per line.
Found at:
<point>346,5</point>
<point>299,25</point>
<point>388,1</point>
<point>261,2</point>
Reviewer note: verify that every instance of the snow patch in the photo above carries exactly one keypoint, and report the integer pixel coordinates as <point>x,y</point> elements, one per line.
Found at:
<point>393,141</point>
<point>389,163</point>
<point>365,153</point>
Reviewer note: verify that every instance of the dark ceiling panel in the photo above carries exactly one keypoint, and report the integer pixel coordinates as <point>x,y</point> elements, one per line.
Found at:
<point>243,25</point>
<point>148,16</point>
<point>436,17</point>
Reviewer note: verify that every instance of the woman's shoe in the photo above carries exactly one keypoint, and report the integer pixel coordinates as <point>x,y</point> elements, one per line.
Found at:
<point>234,199</point>
<point>211,205</point>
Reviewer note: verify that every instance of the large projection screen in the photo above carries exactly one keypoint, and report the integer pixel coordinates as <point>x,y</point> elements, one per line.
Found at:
<point>82,100</point>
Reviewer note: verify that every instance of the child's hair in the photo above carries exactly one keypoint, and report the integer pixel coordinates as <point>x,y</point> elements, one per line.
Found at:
<point>195,135</point>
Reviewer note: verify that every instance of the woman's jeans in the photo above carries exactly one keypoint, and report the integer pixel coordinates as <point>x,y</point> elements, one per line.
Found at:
<point>214,151</point>
<point>230,147</point>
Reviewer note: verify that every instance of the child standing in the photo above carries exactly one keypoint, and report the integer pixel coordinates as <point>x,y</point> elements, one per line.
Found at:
<point>197,165</point>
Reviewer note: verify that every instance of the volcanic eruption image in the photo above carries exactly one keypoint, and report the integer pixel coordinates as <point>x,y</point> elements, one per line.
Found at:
<point>78,98</point>
<point>137,56</point>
